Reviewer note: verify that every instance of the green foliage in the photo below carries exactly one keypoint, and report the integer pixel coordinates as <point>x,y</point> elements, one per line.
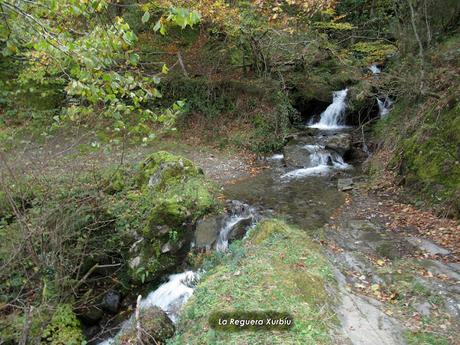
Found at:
<point>66,49</point>
<point>334,26</point>
<point>208,98</point>
<point>64,328</point>
<point>178,16</point>
<point>271,128</point>
<point>426,161</point>
<point>373,51</point>
<point>78,223</point>
<point>369,17</point>
<point>434,21</point>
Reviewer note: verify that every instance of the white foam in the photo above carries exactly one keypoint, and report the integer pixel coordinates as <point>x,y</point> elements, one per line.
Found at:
<point>374,69</point>
<point>277,157</point>
<point>333,117</point>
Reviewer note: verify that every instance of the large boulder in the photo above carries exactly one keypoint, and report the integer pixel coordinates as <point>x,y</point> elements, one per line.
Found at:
<point>207,232</point>
<point>173,195</point>
<point>340,143</point>
<point>296,156</point>
<point>156,328</point>
<point>162,168</point>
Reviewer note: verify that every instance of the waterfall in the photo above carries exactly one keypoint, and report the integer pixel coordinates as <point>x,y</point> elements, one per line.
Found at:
<point>333,116</point>
<point>170,297</point>
<point>384,107</point>
<point>239,213</point>
<point>222,242</point>
<point>322,162</point>
<point>374,69</point>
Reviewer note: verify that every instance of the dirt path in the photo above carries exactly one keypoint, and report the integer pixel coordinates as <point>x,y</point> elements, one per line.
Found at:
<point>62,155</point>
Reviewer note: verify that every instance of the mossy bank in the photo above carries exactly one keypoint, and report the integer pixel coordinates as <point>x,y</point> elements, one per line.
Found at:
<point>277,267</point>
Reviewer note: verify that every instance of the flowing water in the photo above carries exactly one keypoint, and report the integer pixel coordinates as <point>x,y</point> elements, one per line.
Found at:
<point>239,214</point>
<point>384,107</point>
<point>322,163</point>
<point>334,116</point>
<point>305,196</point>
<point>170,297</point>
<point>374,69</point>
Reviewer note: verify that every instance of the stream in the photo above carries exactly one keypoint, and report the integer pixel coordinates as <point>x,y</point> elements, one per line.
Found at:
<point>304,193</point>
<point>300,185</point>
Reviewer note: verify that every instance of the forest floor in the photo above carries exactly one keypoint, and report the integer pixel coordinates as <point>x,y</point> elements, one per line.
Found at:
<point>63,155</point>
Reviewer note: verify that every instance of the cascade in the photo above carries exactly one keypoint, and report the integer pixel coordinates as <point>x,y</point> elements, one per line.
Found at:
<point>374,69</point>
<point>384,107</point>
<point>333,116</point>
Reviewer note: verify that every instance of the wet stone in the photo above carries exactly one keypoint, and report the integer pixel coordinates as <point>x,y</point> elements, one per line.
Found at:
<point>340,143</point>
<point>424,308</point>
<point>344,184</point>
<point>240,228</point>
<point>427,246</point>
<point>296,156</point>
<point>207,231</point>
<point>111,302</point>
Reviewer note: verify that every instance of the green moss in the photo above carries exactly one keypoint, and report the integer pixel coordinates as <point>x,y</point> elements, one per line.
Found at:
<point>373,51</point>
<point>278,268</point>
<point>163,211</point>
<point>64,328</point>
<point>265,229</point>
<point>169,212</point>
<point>424,338</point>
<point>426,137</point>
<point>165,169</point>
<point>430,156</point>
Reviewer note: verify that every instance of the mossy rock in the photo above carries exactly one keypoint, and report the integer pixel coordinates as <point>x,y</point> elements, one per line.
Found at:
<point>176,197</point>
<point>64,328</point>
<point>361,97</point>
<point>155,324</point>
<point>162,169</point>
